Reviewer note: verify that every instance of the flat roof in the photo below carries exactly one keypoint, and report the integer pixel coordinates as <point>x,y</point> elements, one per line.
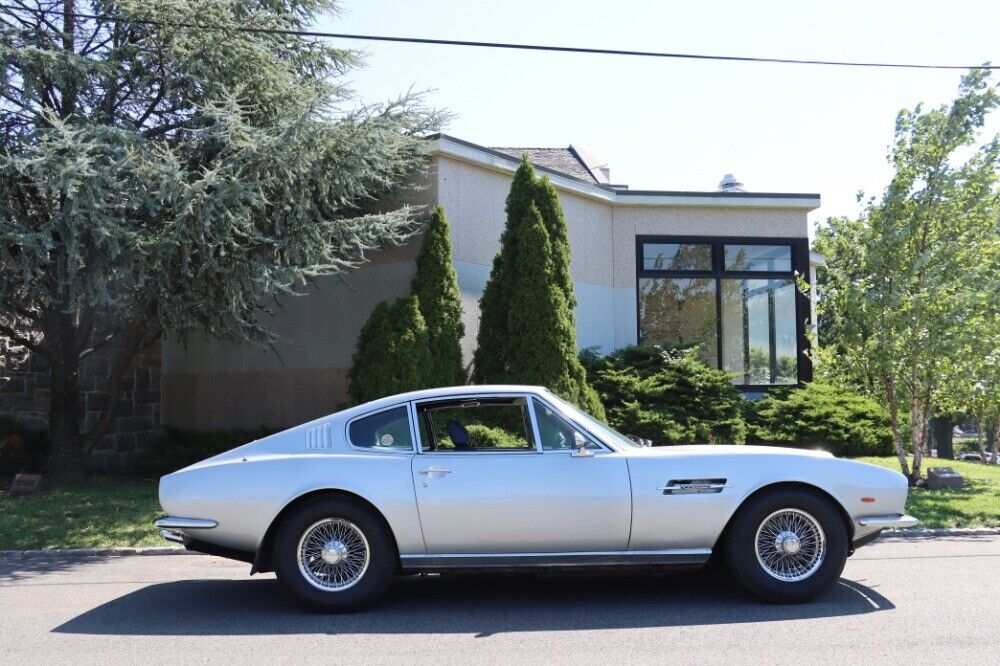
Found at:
<point>500,161</point>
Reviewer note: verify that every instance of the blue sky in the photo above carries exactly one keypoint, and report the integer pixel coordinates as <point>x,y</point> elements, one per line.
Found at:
<point>678,124</point>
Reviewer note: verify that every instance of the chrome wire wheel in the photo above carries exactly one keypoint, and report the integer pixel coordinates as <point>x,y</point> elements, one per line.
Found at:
<point>790,545</point>
<point>333,554</point>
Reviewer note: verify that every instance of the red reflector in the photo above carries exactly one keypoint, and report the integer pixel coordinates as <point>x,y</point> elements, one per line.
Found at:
<point>867,500</point>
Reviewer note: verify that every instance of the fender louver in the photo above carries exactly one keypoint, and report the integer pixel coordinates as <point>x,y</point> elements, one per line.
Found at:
<point>318,437</point>
<point>693,486</point>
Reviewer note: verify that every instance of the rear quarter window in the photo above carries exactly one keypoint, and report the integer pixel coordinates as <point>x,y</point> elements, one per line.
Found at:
<point>388,430</point>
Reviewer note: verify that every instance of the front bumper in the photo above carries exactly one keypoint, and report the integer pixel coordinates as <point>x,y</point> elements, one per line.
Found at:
<point>170,525</point>
<point>899,520</point>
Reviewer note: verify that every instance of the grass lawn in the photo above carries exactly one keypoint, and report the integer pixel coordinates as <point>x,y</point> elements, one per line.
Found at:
<point>97,512</point>
<point>975,505</point>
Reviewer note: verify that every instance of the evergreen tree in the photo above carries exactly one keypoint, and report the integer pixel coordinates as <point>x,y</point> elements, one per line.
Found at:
<point>541,342</point>
<point>155,180</point>
<point>436,287</point>
<point>554,218</point>
<point>392,353</point>
<point>490,358</point>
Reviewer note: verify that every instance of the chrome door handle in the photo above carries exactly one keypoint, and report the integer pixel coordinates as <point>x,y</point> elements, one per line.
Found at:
<point>435,470</point>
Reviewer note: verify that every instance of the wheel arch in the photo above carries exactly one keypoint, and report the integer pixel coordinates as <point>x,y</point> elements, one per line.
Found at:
<point>262,561</point>
<point>790,485</point>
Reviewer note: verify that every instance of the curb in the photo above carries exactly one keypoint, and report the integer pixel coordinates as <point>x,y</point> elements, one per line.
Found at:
<point>914,533</point>
<point>91,552</point>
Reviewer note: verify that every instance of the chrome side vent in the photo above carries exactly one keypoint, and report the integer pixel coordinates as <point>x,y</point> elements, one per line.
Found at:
<point>318,437</point>
<point>693,486</point>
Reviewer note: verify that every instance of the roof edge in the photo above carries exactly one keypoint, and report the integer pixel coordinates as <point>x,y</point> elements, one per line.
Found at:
<point>485,156</point>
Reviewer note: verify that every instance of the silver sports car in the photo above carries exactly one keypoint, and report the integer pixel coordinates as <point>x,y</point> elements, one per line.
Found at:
<point>512,477</point>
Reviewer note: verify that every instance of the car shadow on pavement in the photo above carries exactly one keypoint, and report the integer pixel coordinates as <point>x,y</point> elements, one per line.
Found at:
<point>482,605</point>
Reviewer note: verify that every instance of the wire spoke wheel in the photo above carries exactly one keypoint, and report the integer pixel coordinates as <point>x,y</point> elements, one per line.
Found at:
<point>333,554</point>
<point>790,545</point>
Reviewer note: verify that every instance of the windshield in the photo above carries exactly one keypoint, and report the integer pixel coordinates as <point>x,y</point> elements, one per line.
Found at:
<point>592,424</point>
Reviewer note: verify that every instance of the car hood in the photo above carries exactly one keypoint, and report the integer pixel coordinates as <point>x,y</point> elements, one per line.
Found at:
<point>727,450</point>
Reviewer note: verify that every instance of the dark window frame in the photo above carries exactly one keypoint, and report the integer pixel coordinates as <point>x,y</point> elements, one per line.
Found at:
<point>800,268</point>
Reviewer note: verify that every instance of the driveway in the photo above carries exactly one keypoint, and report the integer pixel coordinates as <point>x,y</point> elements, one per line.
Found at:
<point>900,601</point>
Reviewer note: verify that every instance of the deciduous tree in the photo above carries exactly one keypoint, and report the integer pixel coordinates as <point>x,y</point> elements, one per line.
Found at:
<point>908,283</point>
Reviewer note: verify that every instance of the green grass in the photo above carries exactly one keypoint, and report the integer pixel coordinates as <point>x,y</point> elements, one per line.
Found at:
<point>104,511</point>
<point>975,505</point>
<point>97,512</point>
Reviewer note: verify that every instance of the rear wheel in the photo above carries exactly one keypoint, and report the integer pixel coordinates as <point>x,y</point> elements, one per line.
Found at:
<point>334,554</point>
<point>787,545</point>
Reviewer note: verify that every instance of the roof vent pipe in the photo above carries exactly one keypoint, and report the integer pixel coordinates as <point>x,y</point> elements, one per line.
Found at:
<point>729,183</point>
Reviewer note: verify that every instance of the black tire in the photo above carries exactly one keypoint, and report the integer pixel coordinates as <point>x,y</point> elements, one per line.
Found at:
<point>741,545</point>
<point>375,579</point>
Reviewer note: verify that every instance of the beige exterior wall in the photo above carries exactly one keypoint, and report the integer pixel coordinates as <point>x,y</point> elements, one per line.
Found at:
<point>209,385</point>
<point>213,385</point>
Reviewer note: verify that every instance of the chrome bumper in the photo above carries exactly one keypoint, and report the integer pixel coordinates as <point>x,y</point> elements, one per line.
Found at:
<point>897,520</point>
<point>169,525</point>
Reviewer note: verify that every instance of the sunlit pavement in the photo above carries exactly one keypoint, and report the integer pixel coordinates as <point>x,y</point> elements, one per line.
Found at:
<point>900,601</point>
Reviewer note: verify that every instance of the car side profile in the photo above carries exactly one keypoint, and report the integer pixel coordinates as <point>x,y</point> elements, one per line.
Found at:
<point>514,478</point>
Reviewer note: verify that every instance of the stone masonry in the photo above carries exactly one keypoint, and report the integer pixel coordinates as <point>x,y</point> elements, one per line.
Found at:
<point>24,396</point>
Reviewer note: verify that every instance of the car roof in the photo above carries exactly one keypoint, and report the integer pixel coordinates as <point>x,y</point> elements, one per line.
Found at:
<point>445,392</point>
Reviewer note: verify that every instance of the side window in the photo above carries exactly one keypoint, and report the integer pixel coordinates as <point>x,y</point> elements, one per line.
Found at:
<point>557,433</point>
<point>385,431</point>
<point>488,424</point>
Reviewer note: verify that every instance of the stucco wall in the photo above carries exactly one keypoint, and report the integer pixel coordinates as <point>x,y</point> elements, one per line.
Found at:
<point>211,385</point>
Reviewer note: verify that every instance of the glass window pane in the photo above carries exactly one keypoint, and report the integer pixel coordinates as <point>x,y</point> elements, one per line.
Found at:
<point>676,257</point>
<point>679,312</point>
<point>759,338</point>
<point>774,258</point>
<point>471,425</point>
<point>386,430</point>
<point>556,433</point>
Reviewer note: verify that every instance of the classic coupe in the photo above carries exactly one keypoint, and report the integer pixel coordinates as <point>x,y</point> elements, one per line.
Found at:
<point>515,478</point>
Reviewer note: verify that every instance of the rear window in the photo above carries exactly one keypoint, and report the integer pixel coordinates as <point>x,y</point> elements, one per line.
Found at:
<point>385,431</point>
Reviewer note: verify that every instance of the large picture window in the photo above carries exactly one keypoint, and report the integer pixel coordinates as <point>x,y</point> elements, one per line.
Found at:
<point>736,299</point>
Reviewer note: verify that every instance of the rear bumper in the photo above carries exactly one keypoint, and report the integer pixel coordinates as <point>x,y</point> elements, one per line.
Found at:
<point>172,529</point>
<point>899,520</point>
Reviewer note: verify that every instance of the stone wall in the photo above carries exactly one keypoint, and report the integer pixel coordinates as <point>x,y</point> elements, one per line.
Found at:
<point>24,396</point>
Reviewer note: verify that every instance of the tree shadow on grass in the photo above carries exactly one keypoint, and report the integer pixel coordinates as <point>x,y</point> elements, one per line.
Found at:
<point>977,503</point>
<point>478,605</point>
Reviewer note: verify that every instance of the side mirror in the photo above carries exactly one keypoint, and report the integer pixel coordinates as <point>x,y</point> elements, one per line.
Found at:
<point>581,450</point>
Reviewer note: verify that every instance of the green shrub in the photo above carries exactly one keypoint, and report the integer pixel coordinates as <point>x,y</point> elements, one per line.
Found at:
<point>527,330</point>
<point>820,415</point>
<point>177,448</point>
<point>436,287</point>
<point>666,395</point>
<point>392,355</point>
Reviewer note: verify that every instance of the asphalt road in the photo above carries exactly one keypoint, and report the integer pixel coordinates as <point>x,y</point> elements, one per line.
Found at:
<point>900,601</point>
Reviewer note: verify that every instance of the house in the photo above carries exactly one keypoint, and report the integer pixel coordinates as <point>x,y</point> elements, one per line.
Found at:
<point>716,268</point>
<point>713,268</point>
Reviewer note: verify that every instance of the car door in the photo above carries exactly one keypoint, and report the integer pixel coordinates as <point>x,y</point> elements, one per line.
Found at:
<point>503,491</point>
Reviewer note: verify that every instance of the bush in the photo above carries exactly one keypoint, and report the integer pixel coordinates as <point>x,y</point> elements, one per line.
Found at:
<point>666,395</point>
<point>392,355</point>
<point>821,415</point>
<point>436,287</point>
<point>176,448</point>
<point>527,329</point>
<point>22,450</point>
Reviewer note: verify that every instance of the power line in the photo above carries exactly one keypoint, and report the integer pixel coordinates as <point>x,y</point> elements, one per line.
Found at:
<point>110,18</point>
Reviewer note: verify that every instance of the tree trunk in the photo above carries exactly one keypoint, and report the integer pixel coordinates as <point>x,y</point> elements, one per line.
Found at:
<point>918,435</point>
<point>996,436</point>
<point>897,440</point>
<point>67,460</point>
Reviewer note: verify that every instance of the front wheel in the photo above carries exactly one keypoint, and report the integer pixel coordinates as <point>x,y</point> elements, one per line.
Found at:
<point>787,545</point>
<point>334,554</point>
